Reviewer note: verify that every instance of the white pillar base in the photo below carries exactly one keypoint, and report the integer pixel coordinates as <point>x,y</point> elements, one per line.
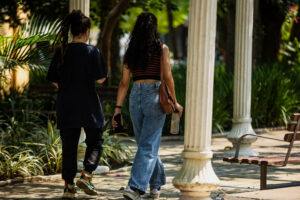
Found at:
<point>239,129</point>
<point>245,150</point>
<point>182,197</point>
<point>196,178</point>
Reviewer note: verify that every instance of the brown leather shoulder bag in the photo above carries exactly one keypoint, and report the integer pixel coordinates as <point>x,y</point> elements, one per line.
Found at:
<point>166,101</point>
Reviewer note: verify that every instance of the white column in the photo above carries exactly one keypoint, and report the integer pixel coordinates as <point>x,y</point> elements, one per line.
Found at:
<point>242,79</point>
<point>197,178</point>
<point>83,5</point>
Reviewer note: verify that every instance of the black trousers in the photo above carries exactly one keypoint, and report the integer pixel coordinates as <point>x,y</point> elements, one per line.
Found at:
<point>70,139</point>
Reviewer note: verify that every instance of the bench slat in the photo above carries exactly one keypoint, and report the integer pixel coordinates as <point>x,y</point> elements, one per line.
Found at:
<point>295,116</point>
<point>265,160</point>
<point>288,137</point>
<point>291,127</point>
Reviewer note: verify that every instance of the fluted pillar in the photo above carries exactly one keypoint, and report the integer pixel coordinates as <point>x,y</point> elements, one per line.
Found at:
<point>242,79</point>
<point>83,5</point>
<point>197,178</point>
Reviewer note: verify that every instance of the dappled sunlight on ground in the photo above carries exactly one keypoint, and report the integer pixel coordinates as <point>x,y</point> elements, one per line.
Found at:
<point>235,178</point>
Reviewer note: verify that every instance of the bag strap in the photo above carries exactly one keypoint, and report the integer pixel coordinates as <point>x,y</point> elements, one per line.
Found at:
<point>161,70</point>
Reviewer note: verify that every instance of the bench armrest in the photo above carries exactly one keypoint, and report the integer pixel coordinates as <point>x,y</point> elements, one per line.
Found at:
<point>236,156</point>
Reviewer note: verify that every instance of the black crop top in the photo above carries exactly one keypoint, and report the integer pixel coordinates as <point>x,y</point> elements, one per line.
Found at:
<point>151,71</point>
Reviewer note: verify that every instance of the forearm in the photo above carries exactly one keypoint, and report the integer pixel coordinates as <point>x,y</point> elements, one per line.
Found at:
<point>55,84</point>
<point>100,81</point>
<point>122,91</point>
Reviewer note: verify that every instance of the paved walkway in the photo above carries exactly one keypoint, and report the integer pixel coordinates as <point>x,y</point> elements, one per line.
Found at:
<point>235,179</point>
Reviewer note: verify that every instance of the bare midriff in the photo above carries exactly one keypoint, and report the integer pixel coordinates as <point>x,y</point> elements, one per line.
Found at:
<point>146,81</point>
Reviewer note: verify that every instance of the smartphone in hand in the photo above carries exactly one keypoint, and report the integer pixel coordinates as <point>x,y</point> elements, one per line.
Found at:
<point>117,118</point>
<point>119,127</point>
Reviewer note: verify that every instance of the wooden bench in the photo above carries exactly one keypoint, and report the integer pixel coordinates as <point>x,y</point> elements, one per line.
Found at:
<point>271,160</point>
<point>49,92</point>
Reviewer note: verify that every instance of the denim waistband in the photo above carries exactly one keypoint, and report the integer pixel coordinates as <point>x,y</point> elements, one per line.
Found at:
<point>147,85</point>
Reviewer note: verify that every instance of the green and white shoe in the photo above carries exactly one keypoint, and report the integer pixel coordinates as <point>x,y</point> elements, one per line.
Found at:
<point>69,191</point>
<point>85,184</point>
<point>154,193</point>
<point>129,194</point>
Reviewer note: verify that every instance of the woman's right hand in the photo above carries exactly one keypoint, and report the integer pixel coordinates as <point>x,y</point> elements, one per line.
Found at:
<point>114,123</point>
<point>179,108</point>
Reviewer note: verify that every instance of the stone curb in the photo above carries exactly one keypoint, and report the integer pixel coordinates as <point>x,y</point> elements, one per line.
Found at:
<point>54,177</point>
<point>266,130</point>
<point>30,179</point>
<point>122,169</point>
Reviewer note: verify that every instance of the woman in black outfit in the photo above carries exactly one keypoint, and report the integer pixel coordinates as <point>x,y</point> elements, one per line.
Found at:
<point>74,69</point>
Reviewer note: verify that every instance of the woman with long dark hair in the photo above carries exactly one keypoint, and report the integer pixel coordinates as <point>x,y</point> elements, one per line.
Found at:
<point>74,69</point>
<point>147,59</point>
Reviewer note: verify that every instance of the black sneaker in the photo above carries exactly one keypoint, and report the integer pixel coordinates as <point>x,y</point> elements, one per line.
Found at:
<point>69,191</point>
<point>85,183</point>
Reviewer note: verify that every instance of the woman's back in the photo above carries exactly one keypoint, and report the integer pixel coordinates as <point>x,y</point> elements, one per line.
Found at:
<point>151,70</point>
<point>77,100</point>
<point>83,65</point>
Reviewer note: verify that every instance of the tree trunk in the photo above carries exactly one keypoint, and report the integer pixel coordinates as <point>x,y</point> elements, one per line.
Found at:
<point>106,32</point>
<point>271,18</point>
<point>116,69</point>
<point>230,36</point>
<point>171,30</point>
<point>257,41</point>
<point>105,7</point>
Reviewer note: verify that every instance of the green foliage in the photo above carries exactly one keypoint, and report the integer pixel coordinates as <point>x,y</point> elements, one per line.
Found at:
<point>287,25</point>
<point>29,46</point>
<point>15,128</point>
<point>222,100</point>
<point>49,145</point>
<point>114,151</point>
<point>273,95</point>
<point>51,9</point>
<point>180,9</point>
<point>23,163</point>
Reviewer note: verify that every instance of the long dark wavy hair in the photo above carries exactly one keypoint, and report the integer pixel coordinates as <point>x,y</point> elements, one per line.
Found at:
<point>144,42</point>
<point>79,24</point>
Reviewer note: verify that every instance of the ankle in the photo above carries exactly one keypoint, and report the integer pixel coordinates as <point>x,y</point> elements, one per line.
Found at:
<point>137,190</point>
<point>69,183</point>
<point>152,188</point>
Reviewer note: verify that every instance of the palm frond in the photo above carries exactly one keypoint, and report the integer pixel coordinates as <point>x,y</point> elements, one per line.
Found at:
<point>29,46</point>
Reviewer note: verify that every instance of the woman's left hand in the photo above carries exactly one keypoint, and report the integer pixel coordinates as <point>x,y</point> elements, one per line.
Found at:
<point>179,108</point>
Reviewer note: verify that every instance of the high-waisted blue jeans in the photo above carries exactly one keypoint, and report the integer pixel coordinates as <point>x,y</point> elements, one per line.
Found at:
<point>148,121</point>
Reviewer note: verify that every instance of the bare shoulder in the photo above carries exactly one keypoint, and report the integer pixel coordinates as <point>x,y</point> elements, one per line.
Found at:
<point>165,49</point>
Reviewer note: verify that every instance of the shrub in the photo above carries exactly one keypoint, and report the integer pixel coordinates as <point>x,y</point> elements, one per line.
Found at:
<point>48,147</point>
<point>115,153</point>
<point>22,163</point>
<point>273,95</point>
<point>223,99</point>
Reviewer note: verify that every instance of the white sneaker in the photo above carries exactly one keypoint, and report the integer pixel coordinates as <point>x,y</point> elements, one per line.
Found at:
<point>154,193</point>
<point>131,195</point>
<point>69,192</point>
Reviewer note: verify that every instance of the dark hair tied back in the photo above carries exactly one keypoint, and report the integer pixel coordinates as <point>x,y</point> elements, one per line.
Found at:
<point>78,23</point>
